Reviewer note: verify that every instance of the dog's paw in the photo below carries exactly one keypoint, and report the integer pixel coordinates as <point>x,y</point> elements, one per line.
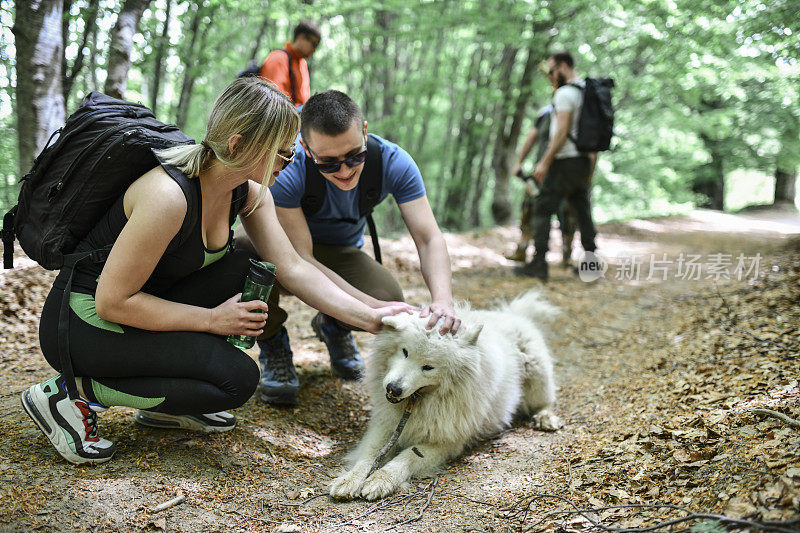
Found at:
<point>380,484</point>
<point>348,485</point>
<point>547,421</point>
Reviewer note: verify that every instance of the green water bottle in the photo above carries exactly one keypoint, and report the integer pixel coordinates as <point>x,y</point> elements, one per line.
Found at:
<point>257,286</point>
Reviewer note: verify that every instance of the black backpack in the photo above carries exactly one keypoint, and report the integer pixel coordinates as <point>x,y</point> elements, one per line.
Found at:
<point>370,185</point>
<point>596,121</point>
<point>103,147</point>
<point>252,69</point>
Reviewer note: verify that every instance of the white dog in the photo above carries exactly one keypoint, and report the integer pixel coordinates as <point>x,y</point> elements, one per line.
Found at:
<point>469,386</point>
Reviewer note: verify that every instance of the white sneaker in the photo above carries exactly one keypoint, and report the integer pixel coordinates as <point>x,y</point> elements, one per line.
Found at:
<point>71,425</point>
<point>207,423</point>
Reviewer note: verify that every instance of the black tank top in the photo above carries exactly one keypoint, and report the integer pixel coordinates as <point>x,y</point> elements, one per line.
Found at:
<point>185,253</point>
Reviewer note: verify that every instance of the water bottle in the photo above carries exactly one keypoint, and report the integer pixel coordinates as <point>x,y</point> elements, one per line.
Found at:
<point>257,286</point>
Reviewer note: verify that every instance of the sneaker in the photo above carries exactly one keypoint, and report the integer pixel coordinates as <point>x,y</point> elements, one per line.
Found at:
<point>71,425</point>
<point>207,423</point>
<point>279,383</point>
<point>537,268</point>
<point>345,360</point>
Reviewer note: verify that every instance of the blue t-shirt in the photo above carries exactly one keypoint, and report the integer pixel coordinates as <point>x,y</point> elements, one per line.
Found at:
<point>401,179</point>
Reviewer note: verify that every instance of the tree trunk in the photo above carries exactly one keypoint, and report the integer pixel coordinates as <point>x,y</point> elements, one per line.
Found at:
<point>472,130</point>
<point>785,186</point>
<point>89,27</point>
<point>259,38</point>
<point>711,180</point>
<point>501,203</point>
<point>158,62</point>
<point>193,62</point>
<point>40,100</point>
<point>388,56</point>
<point>66,16</point>
<point>91,81</point>
<point>119,47</point>
<point>449,187</point>
<point>366,73</point>
<point>506,142</point>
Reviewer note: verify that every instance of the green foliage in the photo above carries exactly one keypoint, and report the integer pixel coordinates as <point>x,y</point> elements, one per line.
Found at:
<point>704,88</point>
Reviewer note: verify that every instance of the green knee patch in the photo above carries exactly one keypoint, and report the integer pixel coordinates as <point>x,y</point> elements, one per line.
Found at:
<point>107,396</point>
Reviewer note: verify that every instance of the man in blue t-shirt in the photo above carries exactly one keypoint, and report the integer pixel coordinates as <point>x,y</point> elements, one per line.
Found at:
<point>334,140</point>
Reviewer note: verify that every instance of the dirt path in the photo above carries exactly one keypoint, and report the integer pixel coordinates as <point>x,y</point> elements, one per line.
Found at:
<point>658,382</point>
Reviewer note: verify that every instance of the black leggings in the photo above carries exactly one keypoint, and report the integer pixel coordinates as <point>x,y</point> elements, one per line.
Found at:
<point>174,372</point>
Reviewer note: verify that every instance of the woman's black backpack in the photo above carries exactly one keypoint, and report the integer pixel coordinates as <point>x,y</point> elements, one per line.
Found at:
<point>104,147</point>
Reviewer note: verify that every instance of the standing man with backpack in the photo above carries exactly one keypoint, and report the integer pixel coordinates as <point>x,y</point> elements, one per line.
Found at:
<point>323,202</point>
<point>540,136</point>
<point>287,68</point>
<point>565,169</point>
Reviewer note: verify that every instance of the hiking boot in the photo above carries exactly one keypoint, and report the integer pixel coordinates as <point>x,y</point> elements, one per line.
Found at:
<point>519,255</point>
<point>566,255</point>
<point>537,268</point>
<point>279,383</point>
<point>70,425</point>
<point>207,423</point>
<point>345,360</point>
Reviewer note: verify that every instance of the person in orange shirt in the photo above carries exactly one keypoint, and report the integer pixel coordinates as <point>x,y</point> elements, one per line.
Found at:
<point>287,67</point>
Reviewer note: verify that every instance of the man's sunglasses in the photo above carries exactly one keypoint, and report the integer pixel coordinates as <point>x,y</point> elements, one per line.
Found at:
<point>287,160</point>
<point>329,167</point>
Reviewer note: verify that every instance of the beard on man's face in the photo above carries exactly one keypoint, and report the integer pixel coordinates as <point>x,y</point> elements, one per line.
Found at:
<point>561,80</point>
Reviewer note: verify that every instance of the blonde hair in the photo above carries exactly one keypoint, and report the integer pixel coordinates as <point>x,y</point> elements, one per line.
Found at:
<point>253,108</point>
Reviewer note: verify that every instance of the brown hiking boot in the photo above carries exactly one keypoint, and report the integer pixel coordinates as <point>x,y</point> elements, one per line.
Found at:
<point>519,255</point>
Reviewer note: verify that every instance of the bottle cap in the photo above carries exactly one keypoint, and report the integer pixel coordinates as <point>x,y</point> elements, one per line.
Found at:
<point>262,272</point>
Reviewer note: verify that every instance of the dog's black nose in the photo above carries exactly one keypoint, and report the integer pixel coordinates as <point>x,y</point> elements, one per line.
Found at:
<point>393,389</point>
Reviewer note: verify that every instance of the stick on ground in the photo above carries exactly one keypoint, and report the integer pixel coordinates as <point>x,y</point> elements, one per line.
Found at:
<point>171,503</point>
<point>395,435</point>
<point>779,416</point>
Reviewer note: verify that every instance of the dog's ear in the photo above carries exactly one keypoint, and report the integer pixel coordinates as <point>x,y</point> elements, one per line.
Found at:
<point>471,334</point>
<point>393,322</point>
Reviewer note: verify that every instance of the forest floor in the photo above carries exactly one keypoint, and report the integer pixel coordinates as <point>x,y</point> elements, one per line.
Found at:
<point>661,380</point>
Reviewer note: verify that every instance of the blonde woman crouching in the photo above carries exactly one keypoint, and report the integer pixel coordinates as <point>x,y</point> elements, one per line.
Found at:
<point>147,327</point>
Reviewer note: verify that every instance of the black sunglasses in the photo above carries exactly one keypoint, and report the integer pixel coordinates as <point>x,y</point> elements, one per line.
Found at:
<point>329,167</point>
<point>287,160</point>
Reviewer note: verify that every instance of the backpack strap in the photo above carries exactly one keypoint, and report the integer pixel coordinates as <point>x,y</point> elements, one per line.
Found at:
<point>582,89</point>
<point>191,192</point>
<point>291,76</point>
<point>7,234</point>
<point>370,186</point>
<point>70,262</point>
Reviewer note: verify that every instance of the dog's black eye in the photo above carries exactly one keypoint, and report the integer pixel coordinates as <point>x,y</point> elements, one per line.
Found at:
<point>405,352</point>
<point>427,367</point>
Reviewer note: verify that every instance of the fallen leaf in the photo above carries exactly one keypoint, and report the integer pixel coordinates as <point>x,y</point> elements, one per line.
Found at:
<point>287,528</point>
<point>793,472</point>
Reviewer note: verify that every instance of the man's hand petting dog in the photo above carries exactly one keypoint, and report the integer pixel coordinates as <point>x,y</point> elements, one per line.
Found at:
<point>439,312</point>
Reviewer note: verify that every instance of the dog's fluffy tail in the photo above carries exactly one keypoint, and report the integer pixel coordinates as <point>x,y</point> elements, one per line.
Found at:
<point>533,305</point>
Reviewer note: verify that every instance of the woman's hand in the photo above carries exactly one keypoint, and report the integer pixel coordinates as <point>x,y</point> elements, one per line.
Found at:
<point>388,310</point>
<point>233,317</point>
